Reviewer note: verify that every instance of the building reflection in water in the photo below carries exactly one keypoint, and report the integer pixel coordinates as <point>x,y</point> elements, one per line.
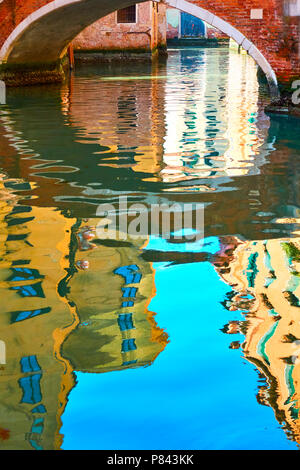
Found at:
<point>118,121</point>
<point>265,281</point>
<point>72,302</point>
<point>79,305</point>
<point>214,128</point>
<point>142,133</point>
<point>120,133</point>
<point>34,245</point>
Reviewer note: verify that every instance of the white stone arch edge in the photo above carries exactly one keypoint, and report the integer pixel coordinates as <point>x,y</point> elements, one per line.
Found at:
<point>29,20</point>
<point>181,5</point>
<point>226,28</point>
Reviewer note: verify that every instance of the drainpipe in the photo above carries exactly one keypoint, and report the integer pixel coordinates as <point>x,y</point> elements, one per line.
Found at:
<point>148,32</point>
<point>71,56</point>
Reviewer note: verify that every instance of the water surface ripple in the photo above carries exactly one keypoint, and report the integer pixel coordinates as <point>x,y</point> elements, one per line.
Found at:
<point>124,344</point>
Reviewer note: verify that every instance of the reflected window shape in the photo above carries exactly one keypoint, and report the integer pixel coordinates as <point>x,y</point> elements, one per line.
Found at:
<point>127,304</point>
<point>294,282</point>
<point>128,363</point>
<point>29,364</point>
<point>268,263</point>
<point>38,426</point>
<point>137,278</point>
<point>27,274</point>
<point>17,186</point>
<point>261,347</point>
<point>27,314</point>
<point>269,281</point>
<point>18,262</point>
<point>31,389</point>
<point>289,369</point>
<point>18,237</point>
<point>125,321</point>
<point>21,209</point>
<point>291,298</point>
<point>273,313</point>
<point>39,409</point>
<point>128,345</point>
<point>34,290</point>
<point>35,445</point>
<point>252,269</point>
<point>294,412</point>
<point>129,292</point>
<point>19,221</point>
<point>24,274</point>
<point>130,274</point>
<point>127,15</point>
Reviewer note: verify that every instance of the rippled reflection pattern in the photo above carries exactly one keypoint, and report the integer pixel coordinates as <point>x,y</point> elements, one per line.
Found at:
<point>124,344</point>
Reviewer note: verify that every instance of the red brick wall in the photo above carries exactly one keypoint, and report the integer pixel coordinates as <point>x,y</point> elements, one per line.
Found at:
<point>276,36</point>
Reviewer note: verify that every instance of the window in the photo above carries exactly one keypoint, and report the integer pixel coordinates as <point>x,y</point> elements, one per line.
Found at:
<point>127,15</point>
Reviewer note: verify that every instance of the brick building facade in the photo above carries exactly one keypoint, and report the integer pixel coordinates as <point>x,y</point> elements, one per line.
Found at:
<point>35,34</point>
<point>137,28</point>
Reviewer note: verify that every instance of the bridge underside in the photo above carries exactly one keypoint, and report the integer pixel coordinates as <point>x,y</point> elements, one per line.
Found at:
<point>46,39</point>
<point>35,49</point>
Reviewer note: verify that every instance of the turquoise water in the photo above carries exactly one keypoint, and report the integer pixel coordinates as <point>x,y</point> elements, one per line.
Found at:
<point>197,395</point>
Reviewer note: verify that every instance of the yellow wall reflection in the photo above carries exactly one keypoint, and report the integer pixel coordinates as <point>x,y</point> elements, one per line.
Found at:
<point>34,243</point>
<point>197,144</point>
<point>117,120</point>
<point>265,278</point>
<point>78,304</point>
<point>111,290</point>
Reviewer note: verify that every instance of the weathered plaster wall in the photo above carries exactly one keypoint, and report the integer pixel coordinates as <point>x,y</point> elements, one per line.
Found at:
<point>107,34</point>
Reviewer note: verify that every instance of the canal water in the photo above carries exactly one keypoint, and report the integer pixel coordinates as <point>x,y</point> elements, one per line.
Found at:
<point>115,341</point>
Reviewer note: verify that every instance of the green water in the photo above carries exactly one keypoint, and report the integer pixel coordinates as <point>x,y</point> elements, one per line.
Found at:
<point>123,343</point>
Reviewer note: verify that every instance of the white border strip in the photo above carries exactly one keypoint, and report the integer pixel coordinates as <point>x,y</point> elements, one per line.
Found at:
<point>17,32</point>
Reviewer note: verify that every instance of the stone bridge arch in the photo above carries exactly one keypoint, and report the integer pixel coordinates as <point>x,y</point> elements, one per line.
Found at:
<point>34,34</point>
<point>209,17</point>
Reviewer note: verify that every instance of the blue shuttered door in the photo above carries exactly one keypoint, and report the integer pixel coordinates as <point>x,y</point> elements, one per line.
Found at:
<point>191,26</point>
